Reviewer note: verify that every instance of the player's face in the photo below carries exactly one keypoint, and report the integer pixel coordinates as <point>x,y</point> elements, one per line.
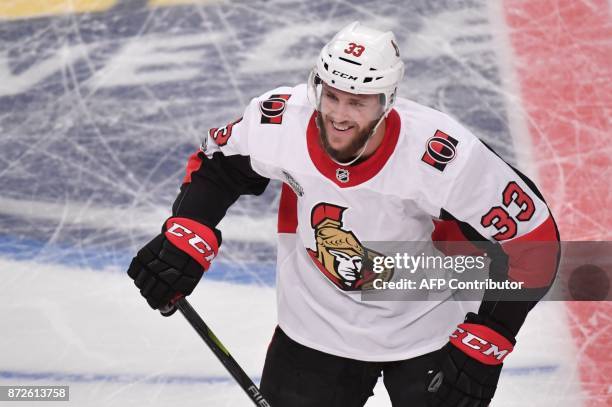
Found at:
<point>347,120</point>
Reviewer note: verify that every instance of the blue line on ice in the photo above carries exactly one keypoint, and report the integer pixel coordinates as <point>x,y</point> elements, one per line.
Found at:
<point>119,258</point>
<point>186,380</point>
<point>114,378</point>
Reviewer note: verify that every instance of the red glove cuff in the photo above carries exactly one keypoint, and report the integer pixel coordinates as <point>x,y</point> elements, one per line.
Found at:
<point>481,343</point>
<point>195,239</point>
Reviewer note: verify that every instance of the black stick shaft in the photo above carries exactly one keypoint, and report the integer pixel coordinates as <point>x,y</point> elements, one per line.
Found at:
<point>222,354</point>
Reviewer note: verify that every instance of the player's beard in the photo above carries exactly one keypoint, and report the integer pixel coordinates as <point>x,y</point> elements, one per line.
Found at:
<point>352,150</point>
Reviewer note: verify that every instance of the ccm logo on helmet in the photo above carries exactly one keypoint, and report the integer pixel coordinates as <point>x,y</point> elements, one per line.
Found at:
<point>194,240</point>
<point>344,75</point>
<point>441,149</point>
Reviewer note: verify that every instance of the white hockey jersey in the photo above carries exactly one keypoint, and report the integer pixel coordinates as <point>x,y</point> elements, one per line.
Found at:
<point>426,162</point>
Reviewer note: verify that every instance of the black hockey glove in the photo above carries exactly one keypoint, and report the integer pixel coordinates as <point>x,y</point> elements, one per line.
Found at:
<point>471,364</point>
<point>172,264</point>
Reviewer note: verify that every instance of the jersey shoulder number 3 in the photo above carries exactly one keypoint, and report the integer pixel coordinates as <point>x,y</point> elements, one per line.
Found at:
<point>221,135</point>
<point>500,218</point>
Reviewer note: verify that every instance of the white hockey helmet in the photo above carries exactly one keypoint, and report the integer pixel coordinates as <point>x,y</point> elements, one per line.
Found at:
<point>359,60</point>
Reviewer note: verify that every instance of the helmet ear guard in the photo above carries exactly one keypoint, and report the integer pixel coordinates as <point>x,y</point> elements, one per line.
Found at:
<point>315,88</point>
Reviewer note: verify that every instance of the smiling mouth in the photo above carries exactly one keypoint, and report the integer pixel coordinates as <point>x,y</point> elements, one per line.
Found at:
<point>339,127</point>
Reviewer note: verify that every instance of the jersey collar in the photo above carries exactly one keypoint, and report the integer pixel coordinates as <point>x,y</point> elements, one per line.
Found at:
<point>351,175</point>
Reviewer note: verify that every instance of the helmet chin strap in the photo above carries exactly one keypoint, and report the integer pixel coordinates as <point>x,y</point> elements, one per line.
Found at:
<point>365,145</point>
<point>315,93</point>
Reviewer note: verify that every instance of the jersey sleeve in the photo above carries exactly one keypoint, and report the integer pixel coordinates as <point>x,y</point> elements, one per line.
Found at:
<point>258,133</point>
<point>220,172</point>
<point>491,201</point>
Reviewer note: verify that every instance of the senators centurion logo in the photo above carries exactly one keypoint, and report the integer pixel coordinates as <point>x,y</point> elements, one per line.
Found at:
<point>340,256</point>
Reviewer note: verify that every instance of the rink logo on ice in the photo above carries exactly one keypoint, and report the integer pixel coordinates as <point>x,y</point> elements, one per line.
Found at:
<point>440,150</point>
<point>13,10</point>
<point>273,108</point>
<point>136,61</point>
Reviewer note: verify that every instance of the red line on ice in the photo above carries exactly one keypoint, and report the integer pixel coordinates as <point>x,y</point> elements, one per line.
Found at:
<point>563,51</point>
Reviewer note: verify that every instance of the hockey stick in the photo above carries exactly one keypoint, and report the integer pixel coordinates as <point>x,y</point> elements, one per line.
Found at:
<point>219,350</point>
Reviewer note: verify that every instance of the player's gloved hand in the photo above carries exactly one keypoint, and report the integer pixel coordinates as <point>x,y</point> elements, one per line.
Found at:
<point>471,364</point>
<point>171,264</point>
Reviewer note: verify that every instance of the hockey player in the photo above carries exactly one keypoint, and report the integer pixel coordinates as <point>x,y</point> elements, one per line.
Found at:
<point>360,164</point>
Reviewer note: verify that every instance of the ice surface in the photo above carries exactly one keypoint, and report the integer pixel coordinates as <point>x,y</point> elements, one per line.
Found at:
<point>98,113</point>
<point>99,110</point>
<point>86,329</point>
